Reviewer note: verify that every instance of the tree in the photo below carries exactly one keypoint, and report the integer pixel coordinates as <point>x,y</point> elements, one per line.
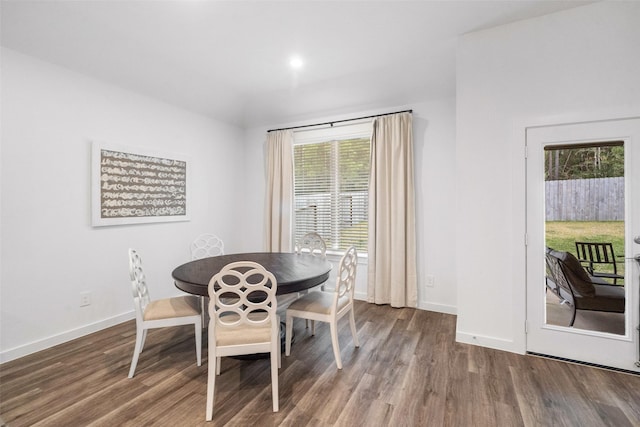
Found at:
<point>596,161</point>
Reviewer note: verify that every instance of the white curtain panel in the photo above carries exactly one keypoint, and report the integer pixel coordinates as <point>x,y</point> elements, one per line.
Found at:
<point>392,236</point>
<point>279,194</point>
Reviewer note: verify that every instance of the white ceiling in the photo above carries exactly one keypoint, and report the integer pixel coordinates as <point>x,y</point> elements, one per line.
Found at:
<point>229,59</point>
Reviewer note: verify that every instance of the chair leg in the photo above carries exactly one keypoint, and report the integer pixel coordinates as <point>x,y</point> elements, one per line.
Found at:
<point>140,334</point>
<point>288,333</point>
<point>334,341</point>
<point>352,322</point>
<point>211,380</point>
<point>144,338</point>
<point>198,328</point>
<point>275,351</point>
<point>280,352</point>
<point>306,321</point>
<point>203,311</point>
<point>218,365</point>
<point>313,327</point>
<point>573,318</point>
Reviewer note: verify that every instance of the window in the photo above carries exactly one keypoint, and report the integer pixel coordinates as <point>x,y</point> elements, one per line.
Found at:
<point>331,168</point>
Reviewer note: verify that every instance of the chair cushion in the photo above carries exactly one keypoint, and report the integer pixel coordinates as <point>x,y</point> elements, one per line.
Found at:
<point>172,307</point>
<point>317,302</point>
<point>245,334</point>
<point>577,276</point>
<point>607,298</point>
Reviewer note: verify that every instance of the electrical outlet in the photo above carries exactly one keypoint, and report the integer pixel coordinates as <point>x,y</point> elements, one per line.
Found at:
<point>85,299</point>
<point>431,280</point>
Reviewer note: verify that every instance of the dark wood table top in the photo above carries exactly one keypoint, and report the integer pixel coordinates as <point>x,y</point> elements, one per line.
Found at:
<point>293,272</point>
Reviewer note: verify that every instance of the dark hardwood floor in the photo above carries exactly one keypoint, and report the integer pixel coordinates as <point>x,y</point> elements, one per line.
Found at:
<point>409,371</point>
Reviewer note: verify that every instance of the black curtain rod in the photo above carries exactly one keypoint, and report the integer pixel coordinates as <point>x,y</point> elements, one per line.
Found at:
<point>341,121</point>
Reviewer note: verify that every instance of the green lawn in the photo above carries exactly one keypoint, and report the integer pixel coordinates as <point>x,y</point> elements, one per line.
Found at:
<point>561,236</point>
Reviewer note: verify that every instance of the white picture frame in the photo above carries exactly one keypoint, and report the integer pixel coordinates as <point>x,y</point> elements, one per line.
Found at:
<point>138,185</point>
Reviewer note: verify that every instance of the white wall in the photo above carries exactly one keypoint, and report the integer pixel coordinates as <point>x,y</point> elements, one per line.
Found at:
<point>580,64</point>
<point>50,252</point>
<point>577,65</point>
<point>434,142</point>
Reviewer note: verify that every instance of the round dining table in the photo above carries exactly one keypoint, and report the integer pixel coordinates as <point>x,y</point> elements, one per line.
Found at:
<point>293,272</point>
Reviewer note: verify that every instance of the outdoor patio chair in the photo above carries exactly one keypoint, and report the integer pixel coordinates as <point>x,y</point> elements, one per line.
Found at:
<point>580,290</point>
<point>596,255</point>
<point>549,280</point>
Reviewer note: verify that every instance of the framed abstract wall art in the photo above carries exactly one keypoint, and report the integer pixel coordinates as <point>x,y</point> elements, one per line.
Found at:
<point>135,185</point>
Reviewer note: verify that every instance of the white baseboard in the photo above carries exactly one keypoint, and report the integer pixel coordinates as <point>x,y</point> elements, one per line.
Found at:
<point>489,342</point>
<point>33,347</point>
<point>428,306</point>
<point>438,308</point>
<point>360,296</point>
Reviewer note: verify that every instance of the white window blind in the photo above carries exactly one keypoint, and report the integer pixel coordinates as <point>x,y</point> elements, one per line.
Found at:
<point>331,186</point>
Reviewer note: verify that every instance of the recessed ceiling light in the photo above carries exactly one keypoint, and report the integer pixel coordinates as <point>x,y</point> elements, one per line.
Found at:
<point>296,62</point>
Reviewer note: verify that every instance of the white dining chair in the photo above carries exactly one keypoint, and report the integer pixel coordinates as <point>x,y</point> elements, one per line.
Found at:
<point>204,246</point>
<point>176,311</point>
<point>311,243</point>
<point>328,306</point>
<point>243,320</point>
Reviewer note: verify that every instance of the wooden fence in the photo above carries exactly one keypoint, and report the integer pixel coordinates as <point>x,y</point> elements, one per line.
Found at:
<point>596,199</point>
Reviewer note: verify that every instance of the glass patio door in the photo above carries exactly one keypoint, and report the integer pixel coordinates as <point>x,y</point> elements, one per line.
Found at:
<point>566,205</point>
